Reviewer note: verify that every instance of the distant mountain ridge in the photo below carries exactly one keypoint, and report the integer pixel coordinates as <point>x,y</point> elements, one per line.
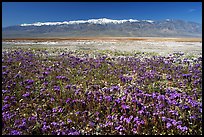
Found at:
<point>105,28</point>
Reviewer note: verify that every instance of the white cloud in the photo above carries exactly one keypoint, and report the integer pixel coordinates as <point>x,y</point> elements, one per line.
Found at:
<point>191,10</point>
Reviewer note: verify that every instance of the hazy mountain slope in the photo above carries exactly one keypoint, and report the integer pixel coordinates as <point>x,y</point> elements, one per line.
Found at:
<point>106,27</point>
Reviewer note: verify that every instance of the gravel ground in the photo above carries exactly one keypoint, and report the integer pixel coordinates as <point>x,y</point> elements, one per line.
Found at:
<point>160,47</point>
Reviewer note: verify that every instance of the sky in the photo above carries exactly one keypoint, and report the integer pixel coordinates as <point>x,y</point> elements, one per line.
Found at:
<point>14,13</point>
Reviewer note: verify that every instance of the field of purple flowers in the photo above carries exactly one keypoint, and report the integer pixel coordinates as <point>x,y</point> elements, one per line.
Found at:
<point>76,93</point>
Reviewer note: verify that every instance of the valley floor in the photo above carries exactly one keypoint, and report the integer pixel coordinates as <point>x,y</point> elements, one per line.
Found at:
<point>162,46</point>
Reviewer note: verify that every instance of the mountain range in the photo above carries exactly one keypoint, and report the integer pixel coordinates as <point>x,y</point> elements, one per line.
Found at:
<point>105,28</point>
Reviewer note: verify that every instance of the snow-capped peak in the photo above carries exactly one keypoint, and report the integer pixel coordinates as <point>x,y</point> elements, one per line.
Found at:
<point>92,21</point>
<point>150,21</point>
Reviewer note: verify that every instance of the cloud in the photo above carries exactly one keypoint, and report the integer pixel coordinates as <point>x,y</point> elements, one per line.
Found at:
<point>191,10</point>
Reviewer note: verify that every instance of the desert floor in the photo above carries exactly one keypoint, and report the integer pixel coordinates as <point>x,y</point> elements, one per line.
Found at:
<point>162,46</point>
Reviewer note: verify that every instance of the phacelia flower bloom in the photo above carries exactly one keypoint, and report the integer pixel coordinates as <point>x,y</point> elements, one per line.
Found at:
<point>4,91</point>
<point>131,117</point>
<point>6,106</point>
<point>97,113</point>
<point>118,128</point>
<point>41,77</point>
<point>186,107</point>
<point>28,87</point>
<point>15,132</point>
<point>117,101</point>
<point>26,95</point>
<point>69,120</point>
<point>60,110</point>
<point>6,98</point>
<point>29,81</point>
<point>44,128</point>
<point>56,88</point>
<point>161,97</point>
<point>168,125</point>
<point>127,120</point>
<point>125,106</point>
<point>68,100</point>
<point>68,86</point>
<point>58,77</point>
<point>4,73</point>
<point>141,112</point>
<point>200,109</point>
<point>163,118</point>
<point>91,123</point>
<point>179,127</point>
<point>179,122</point>
<point>45,83</point>
<point>54,110</point>
<point>54,123</point>
<point>136,119</point>
<point>3,67</point>
<point>108,98</point>
<point>115,88</point>
<point>45,73</point>
<point>174,122</point>
<point>184,128</point>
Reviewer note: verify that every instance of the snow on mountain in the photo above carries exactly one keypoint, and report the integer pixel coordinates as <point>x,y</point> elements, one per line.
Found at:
<point>92,21</point>
<point>150,21</point>
<point>119,28</point>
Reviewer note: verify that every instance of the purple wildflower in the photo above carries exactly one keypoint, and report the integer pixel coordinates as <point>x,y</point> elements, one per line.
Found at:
<point>179,122</point>
<point>15,132</point>
<point>6,106</point>
<point>184,128</point>
<point>56,88</point>
<point>174,122</point>
<point>68,100</point>
<point>60,110</point>
<point>97,113</point>
<point>128,120</point>
<point>125,106</point>
<point>29,81</point>
<point>45,83</point>
<point>54,110</point>
<point>28,87</point>
<point>136,119</point>
<point>141,112</point>
<point>168,125</point>
<point>91,123</point>
<point>117,101</point>
<point>68,86</point>
<point>179,127</point>
<point>4,91</point>
<point>69,120</point>
<point>108,98</point>
<point>58,77</point>
<point>163,118</point>
<point>6,98</point>
<point>26,95</point>
<point>44,128</point>
<point>118,128</point>
<point>54,123</point>
<point>45,73</point>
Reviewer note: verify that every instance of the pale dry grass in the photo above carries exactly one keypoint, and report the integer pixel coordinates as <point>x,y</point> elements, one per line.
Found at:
<point>111,38</point>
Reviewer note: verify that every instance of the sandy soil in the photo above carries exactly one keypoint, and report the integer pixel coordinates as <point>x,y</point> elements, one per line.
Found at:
<point>161,46</point>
